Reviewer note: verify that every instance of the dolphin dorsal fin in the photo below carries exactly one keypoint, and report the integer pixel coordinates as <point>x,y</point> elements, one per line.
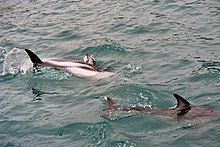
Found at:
<point>34,58</point>
<point>181,102</point>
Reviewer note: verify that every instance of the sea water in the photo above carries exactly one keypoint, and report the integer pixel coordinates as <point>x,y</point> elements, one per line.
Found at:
<point>156,48</point>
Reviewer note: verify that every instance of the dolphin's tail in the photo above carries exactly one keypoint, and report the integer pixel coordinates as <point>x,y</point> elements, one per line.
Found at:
<point>34,58</point>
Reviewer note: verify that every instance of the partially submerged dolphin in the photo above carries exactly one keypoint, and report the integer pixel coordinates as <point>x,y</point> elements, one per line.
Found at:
<point>86,68</point>
<point>183,110</point>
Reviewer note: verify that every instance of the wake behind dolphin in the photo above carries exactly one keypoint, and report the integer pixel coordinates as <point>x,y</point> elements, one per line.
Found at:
<point>183,110</point>
<point>86,68</point>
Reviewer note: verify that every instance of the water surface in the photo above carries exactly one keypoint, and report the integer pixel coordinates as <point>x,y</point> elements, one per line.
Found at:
<point>157,48</point>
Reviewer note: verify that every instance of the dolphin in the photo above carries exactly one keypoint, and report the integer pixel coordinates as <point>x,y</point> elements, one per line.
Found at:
<point>86,68</point>
<point>183,110</point>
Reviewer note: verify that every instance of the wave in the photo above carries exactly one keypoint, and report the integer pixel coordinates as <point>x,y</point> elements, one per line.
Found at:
<point>16,61</point>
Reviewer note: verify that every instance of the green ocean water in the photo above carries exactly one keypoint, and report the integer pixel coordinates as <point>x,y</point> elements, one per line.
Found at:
<point>156,48</point>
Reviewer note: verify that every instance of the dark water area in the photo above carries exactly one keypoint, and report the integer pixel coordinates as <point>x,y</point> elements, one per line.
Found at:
<point>156,48</point>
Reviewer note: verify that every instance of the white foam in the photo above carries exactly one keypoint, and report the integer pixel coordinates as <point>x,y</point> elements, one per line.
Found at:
<point>16,61</point>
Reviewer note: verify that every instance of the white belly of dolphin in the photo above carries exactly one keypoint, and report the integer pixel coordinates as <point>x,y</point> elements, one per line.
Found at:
<point>80,72</point>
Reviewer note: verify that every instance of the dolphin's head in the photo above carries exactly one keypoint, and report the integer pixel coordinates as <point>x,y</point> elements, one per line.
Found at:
<point>89,59</point>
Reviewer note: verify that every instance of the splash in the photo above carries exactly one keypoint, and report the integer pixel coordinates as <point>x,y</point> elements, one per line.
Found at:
<point>16,61</point>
